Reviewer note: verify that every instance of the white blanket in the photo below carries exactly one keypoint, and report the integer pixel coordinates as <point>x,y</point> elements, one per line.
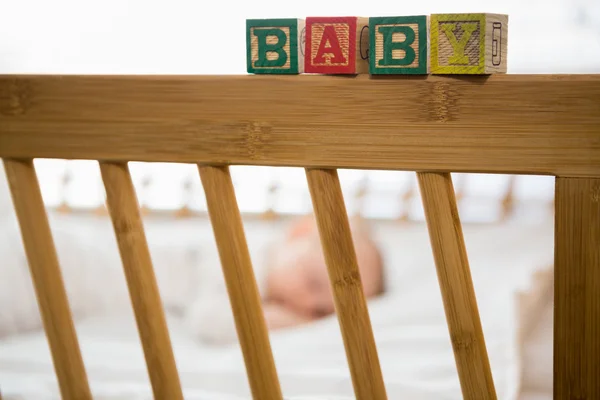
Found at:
<point>408,322</point>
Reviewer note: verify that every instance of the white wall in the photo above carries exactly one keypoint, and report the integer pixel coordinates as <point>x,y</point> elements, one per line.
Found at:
<point>208,37</point>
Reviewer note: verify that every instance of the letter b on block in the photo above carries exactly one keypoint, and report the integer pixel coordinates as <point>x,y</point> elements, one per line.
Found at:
<point>273,46</point>
<point>399,45</point>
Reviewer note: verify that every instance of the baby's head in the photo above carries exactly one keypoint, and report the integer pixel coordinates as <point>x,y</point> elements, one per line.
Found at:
<point>297,274</point>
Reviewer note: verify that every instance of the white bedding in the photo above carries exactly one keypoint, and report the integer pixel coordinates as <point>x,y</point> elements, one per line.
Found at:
<point>409,323</point>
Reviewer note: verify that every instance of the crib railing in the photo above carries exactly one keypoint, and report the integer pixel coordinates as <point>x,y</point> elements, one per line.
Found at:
<point>516,124</point>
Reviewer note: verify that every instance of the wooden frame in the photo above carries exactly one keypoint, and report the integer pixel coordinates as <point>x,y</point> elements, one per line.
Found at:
<point>434,125</point>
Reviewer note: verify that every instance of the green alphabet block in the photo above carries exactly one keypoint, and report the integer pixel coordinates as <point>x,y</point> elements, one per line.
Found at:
<point>399,45</point>
<point>273,46</point>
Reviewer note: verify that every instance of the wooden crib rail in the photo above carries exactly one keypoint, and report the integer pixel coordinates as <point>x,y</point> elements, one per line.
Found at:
<point>139,273</point>
<point>434,125</point>
<point>47,279</point>
<point>458,294</point>
<point>523,124</point>
<point>240,281</point>
<point>350,303</point>
<point>577,289</point>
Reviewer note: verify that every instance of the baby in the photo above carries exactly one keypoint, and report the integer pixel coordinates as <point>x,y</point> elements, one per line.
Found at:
<point>293,282</point>
<point>297,287</point>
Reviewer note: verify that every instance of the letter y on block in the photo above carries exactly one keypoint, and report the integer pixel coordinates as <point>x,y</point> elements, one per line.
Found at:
<point>468,43</point>
<point>273,46</point>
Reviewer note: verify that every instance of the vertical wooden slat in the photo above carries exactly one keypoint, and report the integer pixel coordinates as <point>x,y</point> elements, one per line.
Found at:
<point>143,289</point>
<point>240,281</point>
<point>350,303</point>
<point>47,279</point>
<point>577,289</point>
<point>456,285</point>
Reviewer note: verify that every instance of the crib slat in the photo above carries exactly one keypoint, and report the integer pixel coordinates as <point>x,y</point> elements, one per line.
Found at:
<point>241,283</point>
<point>143,289</point>
<point>458,294</point>
<point>577,289</point>
<point>47,279</point>
<point>342,265</point>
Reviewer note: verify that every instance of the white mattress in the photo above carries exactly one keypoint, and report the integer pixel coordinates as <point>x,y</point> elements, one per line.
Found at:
<point>409,325</point>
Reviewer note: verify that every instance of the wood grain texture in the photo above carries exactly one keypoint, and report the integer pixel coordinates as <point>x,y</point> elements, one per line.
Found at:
<point>47,279</point>
<point>124,211</point>
<point>344,276</point>
<point>503,123</point>
<point>458,294</point>
<point>240,281</point>
<point>577,289</point>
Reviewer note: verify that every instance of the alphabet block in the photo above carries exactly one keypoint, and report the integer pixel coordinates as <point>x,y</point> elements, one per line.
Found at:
<point>468,43</point>
<point>399,45</point>
<point>273,46</point>
<point>337,45</point>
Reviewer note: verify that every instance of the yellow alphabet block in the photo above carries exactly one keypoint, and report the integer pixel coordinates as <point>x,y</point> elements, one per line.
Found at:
<point>469,43</point>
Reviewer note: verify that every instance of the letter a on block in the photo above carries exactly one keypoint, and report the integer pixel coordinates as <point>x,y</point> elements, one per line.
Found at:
<point>468,43</point>
<point>273,46</point>
<point>336,45</point>
<point>329,45</point>
<point>399,45</point>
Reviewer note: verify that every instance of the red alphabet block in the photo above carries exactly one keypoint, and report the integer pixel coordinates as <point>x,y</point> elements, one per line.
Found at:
<point>337,45</point>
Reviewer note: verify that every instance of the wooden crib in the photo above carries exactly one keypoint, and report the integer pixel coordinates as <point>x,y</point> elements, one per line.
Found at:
<point>434,125</point>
